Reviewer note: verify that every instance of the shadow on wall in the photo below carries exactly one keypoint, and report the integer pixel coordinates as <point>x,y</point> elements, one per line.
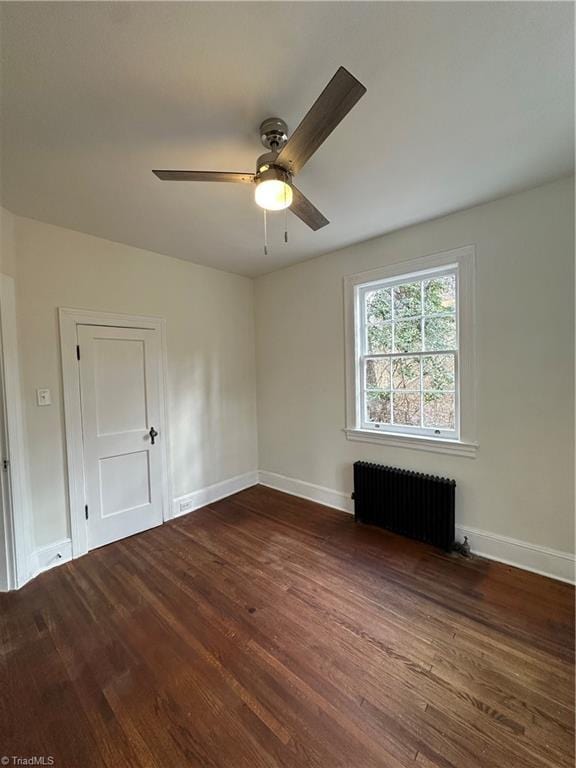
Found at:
<point>207,412</point>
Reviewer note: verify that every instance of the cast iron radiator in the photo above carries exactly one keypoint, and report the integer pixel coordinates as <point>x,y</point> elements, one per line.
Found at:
<point>409,503</point>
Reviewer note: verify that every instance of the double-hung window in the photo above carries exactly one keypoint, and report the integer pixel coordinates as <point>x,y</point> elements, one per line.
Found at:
<point>412,351</point>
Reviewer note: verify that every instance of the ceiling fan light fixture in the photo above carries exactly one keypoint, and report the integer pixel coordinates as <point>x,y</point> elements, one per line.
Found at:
<point>273,194</point>
<point>273,189</point>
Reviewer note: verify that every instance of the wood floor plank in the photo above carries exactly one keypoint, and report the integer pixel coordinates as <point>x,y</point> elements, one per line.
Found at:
<point>266,631</point>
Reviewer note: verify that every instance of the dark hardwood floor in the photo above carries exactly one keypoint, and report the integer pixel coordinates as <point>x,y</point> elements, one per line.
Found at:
<point>265,630</point>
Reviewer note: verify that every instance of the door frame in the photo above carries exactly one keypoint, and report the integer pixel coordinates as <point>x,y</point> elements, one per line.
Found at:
<point>15,509</point>
<point>69,320</point>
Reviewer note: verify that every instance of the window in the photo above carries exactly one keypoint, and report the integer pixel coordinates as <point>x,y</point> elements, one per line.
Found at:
<point>409,354</point>
<point>411,357</point>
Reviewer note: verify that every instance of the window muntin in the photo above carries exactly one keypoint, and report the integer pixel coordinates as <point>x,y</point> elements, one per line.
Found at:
<point>408,361</point>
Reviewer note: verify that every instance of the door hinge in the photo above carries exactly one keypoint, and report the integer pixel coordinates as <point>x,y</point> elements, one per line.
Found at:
<point>78,351</point>
<point>5,464</point>
<point>86,510</point>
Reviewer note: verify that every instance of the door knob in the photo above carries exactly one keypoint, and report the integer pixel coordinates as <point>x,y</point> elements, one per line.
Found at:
<point>152,434</point>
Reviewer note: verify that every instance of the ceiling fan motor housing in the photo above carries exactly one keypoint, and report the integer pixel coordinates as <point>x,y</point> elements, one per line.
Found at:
<point>273,133</point>
<point>266,163</point>
<point>273,172</point>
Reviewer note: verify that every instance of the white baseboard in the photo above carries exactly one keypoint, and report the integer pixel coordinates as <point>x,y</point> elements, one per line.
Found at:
<point>184,504</point>
<point>44,558</point>
<point>521,554</point>
<point>318,493</point>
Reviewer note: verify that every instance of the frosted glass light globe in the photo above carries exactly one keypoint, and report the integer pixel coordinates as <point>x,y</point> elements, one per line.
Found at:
<point>273,194</point>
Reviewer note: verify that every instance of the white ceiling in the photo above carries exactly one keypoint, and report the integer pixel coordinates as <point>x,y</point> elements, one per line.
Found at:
<point>466,102</point>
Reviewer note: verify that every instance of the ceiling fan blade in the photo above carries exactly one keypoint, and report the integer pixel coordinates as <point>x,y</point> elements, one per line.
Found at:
<point>239,178</point>
<point>332,106</point>
<point>307,212</point>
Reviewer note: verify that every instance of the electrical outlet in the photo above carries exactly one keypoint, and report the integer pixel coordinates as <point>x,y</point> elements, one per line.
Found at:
<point>185,506</point>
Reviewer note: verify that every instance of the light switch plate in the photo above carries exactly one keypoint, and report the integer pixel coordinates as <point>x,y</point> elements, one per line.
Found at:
<point>43,397</point>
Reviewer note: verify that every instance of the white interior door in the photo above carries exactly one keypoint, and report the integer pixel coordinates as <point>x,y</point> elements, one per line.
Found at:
<point>5,492</point>
<point>120,401</point>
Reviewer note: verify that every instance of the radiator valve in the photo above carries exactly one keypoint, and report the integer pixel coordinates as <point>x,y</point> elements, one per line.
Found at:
<point>462,547</point>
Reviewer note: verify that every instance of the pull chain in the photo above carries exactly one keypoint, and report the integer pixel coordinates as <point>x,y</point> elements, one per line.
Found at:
<point>265,235</point>
<point>285,211</point>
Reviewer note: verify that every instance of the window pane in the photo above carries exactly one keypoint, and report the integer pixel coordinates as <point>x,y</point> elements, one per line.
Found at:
<point>440,295</point>
<point>377,374</point>
<point>439,410</point>
<point>378,306</point>
<point>379,338</point>
<point>438,371</point>
<point>407,336</point>
<point>440,333</point>
<point>406,373</point>
<point>406,409</point>
<point>378,407</point>
<point>407,300</point>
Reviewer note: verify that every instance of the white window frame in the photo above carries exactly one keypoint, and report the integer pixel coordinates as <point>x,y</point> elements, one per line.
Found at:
<point>462,440</point>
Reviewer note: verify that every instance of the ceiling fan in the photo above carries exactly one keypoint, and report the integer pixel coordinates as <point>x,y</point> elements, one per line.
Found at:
<point>274,190</point>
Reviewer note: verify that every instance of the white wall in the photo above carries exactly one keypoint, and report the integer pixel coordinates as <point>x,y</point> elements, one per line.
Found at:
<point>7,243</point>
<point>521,483</point>
<point>211,365</point>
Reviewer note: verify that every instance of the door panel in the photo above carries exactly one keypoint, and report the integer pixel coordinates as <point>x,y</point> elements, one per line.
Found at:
<point>134,489</point>
<point>119,389</point>
<point>120,364</point>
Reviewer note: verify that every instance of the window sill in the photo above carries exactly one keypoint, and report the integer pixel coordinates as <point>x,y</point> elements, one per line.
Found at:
<point>414,442</point>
